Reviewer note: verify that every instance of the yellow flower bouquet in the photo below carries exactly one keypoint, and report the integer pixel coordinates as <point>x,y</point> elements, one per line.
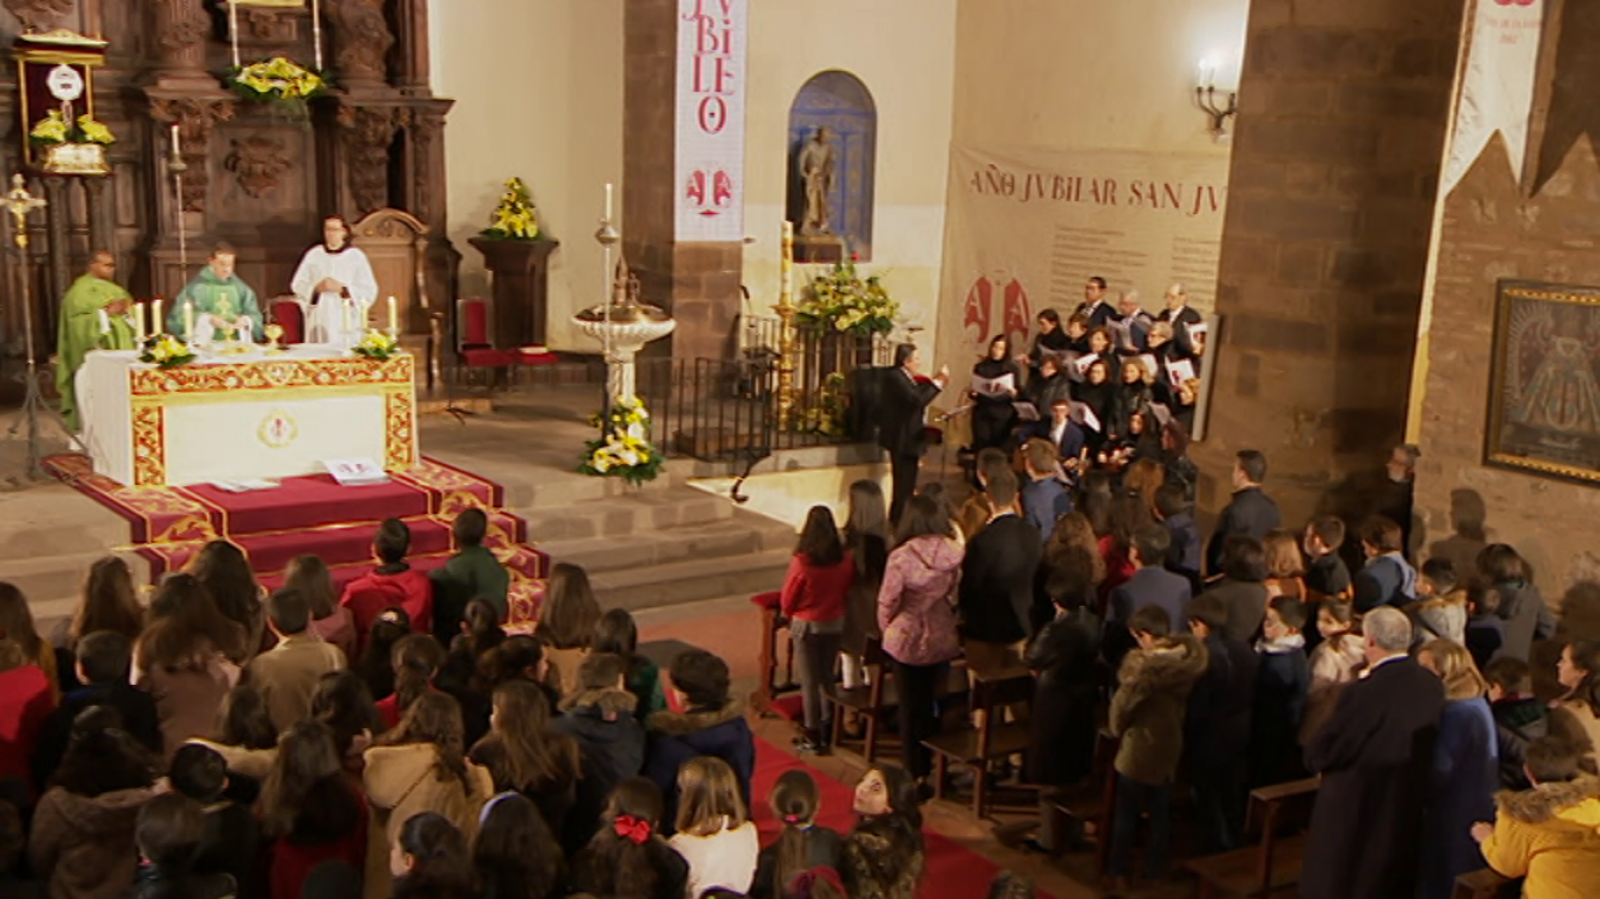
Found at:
<point>166,351</point>
<point>514,218</point>
<point>376,345</point>
<point>623,449</point>
<point>52,129</point>
<point>278,81</point>
<point>842,300</point>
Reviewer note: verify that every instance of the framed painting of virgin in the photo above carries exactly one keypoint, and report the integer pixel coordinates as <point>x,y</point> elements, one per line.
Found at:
<point>1544,381</point>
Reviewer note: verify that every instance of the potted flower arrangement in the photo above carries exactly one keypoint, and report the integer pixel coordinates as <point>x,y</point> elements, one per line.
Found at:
<point>623,448</point>
<point>166,351</point>
<point>376,345</point>
<point>843,301</point>
<point>279,81</point>
<point>72,148</point>
<point>514,218</point>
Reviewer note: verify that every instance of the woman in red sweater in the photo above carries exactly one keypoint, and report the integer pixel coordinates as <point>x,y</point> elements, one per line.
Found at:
<point>813,601</point>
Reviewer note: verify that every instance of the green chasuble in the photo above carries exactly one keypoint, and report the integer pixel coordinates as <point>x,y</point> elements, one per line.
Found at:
<point>227,297</point>
<point>80,333</point>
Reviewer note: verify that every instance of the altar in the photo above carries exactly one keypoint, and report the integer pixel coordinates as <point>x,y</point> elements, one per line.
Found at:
<point>246,416</point>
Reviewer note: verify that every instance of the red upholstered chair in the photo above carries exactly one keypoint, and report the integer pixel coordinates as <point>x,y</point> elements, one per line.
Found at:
<point>474,347</point>
<point>287,315</point>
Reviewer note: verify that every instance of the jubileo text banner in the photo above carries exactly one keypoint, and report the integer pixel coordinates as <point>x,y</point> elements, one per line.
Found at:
<point>1028,227</point>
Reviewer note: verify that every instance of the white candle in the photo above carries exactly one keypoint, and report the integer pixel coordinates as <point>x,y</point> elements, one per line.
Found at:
<point>177,143</point>
<point>157,323</point>
<point>233,30</point>
<point>188,321</point>
<point>787,285</point>
<point>348,323</point>
<point>316,31</point>
<point>394,319</point>
<point>608,201</point>
<point>138,325</point>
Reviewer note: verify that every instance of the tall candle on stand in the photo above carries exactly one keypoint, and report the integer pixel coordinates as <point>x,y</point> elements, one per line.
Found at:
<point>787,284</point>
<point>608,201</point>
<point>394,319</point>
<point>138,324</point>
<point>188,321</point>
<point>177,143</point>
<point>158,325</point>
<point>316,31</point>
<point>233,30</point>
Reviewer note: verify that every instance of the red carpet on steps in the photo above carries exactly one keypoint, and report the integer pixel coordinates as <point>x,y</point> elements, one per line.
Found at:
<point>313,514</point>
<point>953,871</point>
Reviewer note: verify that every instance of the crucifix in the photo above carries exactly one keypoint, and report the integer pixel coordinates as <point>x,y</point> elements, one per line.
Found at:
<point>20,203</point>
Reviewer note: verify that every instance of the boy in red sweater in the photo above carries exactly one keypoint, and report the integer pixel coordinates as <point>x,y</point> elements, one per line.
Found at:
<point>392,583</point>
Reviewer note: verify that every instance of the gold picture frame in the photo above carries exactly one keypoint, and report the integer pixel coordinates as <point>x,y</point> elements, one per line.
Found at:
<point>1544,381</point>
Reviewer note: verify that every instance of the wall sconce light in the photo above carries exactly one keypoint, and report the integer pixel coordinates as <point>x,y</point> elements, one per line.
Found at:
<point>1205,97</point>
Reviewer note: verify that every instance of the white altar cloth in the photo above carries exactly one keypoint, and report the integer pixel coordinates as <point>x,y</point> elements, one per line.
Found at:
<point>245,416</point>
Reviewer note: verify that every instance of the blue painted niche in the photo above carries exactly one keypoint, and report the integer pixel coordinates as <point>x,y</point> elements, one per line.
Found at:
<point>838,100</point>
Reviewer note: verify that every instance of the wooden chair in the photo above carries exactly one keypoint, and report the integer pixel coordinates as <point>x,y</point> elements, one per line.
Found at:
<point>475,350</point>
<point>1484,883</point>
<point>285,312</point>
<point>772,623</point>
<point>869,702</point>
<point>1278,813</point>
<point>397,245</point>
<point>993,739</point>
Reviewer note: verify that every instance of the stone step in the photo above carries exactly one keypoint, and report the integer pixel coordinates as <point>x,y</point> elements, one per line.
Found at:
<point>693,580</point>
<point>717,539</point>
<point>646,513</point>
<point>53,519</point>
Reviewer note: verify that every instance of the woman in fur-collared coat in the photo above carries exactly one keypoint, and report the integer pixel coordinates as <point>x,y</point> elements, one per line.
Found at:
<point>711,723</point>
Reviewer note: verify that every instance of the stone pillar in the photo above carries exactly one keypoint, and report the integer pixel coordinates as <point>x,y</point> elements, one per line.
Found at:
<point>1330,200</point>
<point>697,282</point>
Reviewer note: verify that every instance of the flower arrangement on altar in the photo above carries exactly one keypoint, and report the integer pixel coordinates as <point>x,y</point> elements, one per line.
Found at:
<point>842,300</point>
<point>826,416</point>
<point>623,449</point>
<point>55,129</point>
<point>514,218</point>
<point>166,351</point>
<point>376,345</point>
<point>277,80</point>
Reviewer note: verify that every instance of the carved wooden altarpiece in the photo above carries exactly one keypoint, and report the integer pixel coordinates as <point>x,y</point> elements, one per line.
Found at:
<point>257,177</point>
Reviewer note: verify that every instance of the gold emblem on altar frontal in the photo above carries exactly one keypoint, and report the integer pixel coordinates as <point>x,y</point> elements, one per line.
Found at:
<point>277,430</point>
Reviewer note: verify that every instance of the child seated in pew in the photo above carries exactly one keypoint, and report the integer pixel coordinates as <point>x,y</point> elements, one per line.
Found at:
<point>1547,834</point>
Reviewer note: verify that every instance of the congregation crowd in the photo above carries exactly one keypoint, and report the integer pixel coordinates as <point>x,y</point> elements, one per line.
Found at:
<point>393,739</point>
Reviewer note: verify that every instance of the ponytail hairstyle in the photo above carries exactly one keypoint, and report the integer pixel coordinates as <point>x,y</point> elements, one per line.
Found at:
<point>440,867</point>
<point>518,658</point>
<point>377,664</point>
<point>620,860</point>
<point>483,627</point>
<point>795,803</point>
<point>417,659</point>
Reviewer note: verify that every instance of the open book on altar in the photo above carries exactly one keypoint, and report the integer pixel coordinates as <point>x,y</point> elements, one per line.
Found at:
<point>356,472</point>
<point>1004,385</point>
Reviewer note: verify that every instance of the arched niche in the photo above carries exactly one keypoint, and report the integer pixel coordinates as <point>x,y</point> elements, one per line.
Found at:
<point>838,101</point>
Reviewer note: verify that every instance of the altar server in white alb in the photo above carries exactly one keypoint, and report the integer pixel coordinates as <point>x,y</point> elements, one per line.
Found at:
<point>335,287</point>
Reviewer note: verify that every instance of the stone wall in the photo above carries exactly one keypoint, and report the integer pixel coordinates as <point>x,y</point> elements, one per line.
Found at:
<point>1334,171</point>
<point>1492,231</point>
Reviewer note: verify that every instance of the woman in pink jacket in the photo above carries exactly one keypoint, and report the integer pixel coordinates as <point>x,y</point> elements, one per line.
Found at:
<point>916,610</point>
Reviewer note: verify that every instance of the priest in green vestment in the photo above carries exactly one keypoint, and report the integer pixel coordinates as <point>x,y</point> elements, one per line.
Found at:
<point>221,302</point>
<point>85,328</point>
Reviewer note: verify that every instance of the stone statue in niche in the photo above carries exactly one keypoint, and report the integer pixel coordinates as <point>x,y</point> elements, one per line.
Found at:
<point>39,15</point>
<point>361,39</point>
<point>816,164</point>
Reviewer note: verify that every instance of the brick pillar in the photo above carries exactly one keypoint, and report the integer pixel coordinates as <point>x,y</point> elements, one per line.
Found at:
<point>1330,200</point>
<point>697,282</point>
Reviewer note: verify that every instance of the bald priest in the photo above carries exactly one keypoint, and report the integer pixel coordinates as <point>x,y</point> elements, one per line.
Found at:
<point>94,316</point>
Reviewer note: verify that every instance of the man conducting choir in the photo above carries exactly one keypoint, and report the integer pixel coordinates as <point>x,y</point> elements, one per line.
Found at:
<point>216,304</point>
<point>94,316</point>
<point>334,286</point>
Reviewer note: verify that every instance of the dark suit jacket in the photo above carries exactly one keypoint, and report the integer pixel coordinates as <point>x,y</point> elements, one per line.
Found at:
<point>1386,580</point>
<point>1250,512</point>
<point>1151,585</point>
<point>1071,444</point>
<point>1217,727</point>
<point>1247,607</point>
<point>903,401</point>
<point>1099,315</point>
<point>1180,330</point>
<point>1374,755</point>
<point>997,581</point>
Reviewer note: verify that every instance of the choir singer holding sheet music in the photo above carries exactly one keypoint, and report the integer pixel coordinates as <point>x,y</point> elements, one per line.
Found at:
<point>995,380</point>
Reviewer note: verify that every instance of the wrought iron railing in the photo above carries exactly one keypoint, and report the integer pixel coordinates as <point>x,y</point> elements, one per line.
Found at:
<point>730,410</point>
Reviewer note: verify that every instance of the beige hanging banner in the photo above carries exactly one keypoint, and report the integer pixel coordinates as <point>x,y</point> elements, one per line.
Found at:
<point>1497,85</point>
<point>1028,227</point>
